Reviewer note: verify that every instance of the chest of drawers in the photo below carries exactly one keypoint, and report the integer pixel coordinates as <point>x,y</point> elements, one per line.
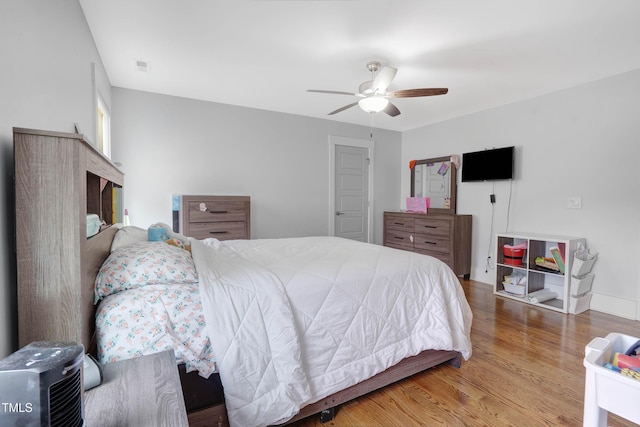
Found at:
<point>446,237</point>
<point>222,217</point>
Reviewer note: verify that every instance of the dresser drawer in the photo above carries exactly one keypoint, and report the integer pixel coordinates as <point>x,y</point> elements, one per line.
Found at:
<point>216,212</point>
<point>399,223</point>
<point>431,243</point>
<point>218,230</point>
<point>398,239</point>
<point>433,227</point>
<point>444,257</point>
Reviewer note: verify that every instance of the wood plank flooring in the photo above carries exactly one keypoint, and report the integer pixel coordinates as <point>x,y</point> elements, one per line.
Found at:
<point>526,370</point>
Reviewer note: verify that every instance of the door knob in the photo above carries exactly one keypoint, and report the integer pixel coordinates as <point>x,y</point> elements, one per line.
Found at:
<point>339,213</point>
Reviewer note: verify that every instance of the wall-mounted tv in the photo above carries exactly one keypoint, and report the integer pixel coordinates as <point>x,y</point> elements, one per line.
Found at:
<point>488,165</point>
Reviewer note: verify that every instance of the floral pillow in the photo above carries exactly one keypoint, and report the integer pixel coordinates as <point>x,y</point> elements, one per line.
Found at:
<point>144,263</point>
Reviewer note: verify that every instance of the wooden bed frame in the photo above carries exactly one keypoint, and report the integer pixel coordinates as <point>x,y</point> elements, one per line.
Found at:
<point>215,415</point>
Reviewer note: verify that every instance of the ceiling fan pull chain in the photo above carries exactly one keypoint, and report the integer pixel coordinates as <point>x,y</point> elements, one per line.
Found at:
<point>373,122</point>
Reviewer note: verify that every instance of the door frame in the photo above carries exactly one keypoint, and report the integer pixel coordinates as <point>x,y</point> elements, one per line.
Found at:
<point>369,144</point>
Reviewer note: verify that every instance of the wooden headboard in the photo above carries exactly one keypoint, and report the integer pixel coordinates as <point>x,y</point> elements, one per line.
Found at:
<point>60,178</point>
<point>98,248</point>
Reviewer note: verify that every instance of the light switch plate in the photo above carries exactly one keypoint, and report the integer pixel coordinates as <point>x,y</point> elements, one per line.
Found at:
<point>574,202</point>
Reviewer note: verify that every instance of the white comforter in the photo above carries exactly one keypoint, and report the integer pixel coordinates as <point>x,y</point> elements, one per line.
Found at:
<point>294,320</point>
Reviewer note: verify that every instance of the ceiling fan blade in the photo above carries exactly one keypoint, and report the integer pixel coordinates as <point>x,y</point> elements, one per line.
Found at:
<point>383,79</point>
<point>391,110</point>
<point>346,107</point>
<point>412,93</point>
<point>334,92</point>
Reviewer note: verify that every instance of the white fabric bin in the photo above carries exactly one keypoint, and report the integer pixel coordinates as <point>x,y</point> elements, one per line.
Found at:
<point>579,304</point>
<point>581,285</point>
<point>582,263</point>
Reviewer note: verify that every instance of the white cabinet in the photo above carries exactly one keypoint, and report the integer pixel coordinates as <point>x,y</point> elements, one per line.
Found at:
<point>537,279</point>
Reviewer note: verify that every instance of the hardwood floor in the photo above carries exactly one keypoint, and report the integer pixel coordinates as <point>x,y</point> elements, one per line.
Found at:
<point>526,370</point>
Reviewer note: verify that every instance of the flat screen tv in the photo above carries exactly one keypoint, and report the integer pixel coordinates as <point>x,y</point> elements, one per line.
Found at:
<point>488,165</point>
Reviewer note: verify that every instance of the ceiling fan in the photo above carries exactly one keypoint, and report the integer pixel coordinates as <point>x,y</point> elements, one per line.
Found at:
<point>374,95</point>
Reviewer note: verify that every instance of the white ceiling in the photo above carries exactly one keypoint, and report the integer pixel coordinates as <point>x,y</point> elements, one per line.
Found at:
<point>265,54</point>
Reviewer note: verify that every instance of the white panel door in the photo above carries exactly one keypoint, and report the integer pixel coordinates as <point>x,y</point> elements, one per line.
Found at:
<point>351,192</point>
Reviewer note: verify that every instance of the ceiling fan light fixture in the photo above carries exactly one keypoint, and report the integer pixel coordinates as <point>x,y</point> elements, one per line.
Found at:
<point>373,104</point>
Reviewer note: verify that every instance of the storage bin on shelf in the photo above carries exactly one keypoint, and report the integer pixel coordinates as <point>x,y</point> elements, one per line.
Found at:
<point>605,390</point>
<point>515,283</point>
<point>513,255</point>
<point>515,289</point>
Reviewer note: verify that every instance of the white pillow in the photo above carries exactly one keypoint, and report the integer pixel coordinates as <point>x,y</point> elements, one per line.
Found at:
<point>127,235</point>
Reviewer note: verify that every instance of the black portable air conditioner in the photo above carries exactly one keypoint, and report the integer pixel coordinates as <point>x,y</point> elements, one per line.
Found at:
<point>41,385</point>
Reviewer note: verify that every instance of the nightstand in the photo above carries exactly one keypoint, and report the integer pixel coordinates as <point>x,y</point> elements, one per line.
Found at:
<point>144,391</point>
<point>222,217</point>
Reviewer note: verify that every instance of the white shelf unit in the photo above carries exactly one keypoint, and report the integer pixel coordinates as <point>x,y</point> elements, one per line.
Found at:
<point>538,278</point>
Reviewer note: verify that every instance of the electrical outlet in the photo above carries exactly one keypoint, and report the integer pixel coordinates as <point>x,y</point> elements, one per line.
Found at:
<point>574,202</point>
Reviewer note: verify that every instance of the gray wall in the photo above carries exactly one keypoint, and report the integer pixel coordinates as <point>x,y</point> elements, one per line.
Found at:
<point>169,145</point>
<point>46,82</point>
<point>583,141</point>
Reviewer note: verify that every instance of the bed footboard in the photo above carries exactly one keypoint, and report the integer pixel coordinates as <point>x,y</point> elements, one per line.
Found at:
<point>406,368</point>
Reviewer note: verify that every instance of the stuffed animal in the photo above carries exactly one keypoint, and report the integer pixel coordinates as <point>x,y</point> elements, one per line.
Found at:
<point>163,233</point>
<point>157,233</point>
<point>177,242</point>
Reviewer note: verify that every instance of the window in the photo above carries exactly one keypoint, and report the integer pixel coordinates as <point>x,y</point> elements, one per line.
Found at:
<point>104,127</point>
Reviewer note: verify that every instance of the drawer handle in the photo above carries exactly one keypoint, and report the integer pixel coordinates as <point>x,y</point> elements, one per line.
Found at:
<point>398,238</point>
<point>430,243</point>
<point>218,232</point>
<point>218,212</point>
<point>429,226</point>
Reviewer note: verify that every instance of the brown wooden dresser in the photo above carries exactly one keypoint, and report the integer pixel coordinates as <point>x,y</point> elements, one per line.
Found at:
<point>222,217</point>
<point>443,236</point>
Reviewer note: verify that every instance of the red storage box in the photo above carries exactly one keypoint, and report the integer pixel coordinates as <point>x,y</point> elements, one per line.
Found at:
<point>513,255</point>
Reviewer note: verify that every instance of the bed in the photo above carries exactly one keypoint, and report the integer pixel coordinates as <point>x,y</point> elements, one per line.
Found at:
<point>291,327</point>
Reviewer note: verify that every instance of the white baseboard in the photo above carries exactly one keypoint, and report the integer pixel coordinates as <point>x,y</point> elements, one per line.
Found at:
<point>616,306</point>
<point>599,302</point>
